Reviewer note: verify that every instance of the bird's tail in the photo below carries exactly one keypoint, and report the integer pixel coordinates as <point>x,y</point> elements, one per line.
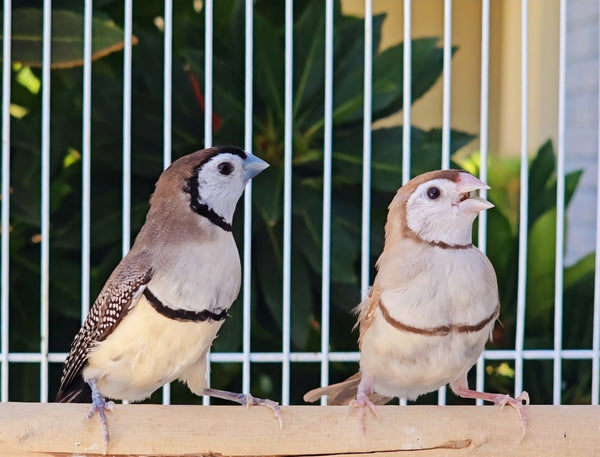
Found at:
<point>78,391</point>
<point>343,393</point>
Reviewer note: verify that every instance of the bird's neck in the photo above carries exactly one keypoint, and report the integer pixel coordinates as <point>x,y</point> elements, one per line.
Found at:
<point>457,232</point>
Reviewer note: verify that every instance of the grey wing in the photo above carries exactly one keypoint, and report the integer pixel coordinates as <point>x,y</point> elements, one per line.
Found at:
<point>124,286</point>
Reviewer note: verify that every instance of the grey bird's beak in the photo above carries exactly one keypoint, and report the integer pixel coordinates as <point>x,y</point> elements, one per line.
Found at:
<point>253,166</point>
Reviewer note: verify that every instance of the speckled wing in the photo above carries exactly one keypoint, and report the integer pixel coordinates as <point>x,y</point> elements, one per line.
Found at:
<point>121,291</point>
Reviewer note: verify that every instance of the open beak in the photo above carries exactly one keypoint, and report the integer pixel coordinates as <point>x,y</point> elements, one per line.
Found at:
<point>467,186</point>
<point>253,166</point>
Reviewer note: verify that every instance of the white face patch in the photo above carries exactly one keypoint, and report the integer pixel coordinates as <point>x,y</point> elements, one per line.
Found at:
<point>221,183</point>
<point>432,213</point>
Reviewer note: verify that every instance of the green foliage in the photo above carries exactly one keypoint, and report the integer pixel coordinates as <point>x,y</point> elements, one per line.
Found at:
<point>67,37</point>
<point>268,143</point>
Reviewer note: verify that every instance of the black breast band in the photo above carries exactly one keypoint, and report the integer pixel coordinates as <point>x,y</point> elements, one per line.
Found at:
<point>182,315</point>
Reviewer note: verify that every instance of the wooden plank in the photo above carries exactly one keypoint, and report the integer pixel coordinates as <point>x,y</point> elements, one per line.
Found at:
<point>51,429</point>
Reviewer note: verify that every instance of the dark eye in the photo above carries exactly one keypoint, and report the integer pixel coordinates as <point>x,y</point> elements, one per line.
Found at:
<point>433,192</point>
<point>225,168</point>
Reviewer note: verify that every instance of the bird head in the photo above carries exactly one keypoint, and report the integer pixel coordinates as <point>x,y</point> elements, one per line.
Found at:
<point>438,207</point>
<point>207,182</point>
<point>219,180</point>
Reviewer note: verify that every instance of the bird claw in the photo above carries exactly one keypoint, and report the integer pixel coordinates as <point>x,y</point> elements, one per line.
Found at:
<point>517,404</point>
<point>249,400</point>
<point>100,405</point>
<point>364,405</point>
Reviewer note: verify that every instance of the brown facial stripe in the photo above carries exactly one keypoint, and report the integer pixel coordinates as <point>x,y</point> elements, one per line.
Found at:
<point>442,330</point>
<point>441,244</point>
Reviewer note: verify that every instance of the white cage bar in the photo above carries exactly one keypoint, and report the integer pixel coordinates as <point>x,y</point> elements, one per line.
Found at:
<point>406,92</point>
<point>327,157</point>
<point>287,203</point>
<point>366,175</point>
<point>523,199</point>
<point>167,121</point>
<point>447,77</point>
<point>128,28</point>
<point>5,233</point>
<point>483,153</point>
<point>560,209</point>
<point>45,216</point>
<point>86,154</point>
<point>247,256</point>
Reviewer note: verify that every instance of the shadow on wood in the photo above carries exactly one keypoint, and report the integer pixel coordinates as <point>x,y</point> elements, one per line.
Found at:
<point>50,429</point>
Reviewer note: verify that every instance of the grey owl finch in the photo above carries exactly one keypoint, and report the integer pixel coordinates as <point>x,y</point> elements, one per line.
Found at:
<point>159,311</point>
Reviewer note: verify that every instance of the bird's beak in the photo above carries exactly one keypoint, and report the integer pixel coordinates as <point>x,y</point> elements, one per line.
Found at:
<point>253,166</point>
<point>467,186</point>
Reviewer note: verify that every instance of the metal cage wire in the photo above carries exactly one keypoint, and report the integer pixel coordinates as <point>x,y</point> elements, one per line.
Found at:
<point>286,356</point>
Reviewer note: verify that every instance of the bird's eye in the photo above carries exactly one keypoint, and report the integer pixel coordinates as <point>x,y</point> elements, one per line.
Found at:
<point>433,192</point>
<point>225,168</point>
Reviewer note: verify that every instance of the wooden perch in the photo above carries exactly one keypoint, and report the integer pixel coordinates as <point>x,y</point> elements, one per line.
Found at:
<point>51,429</point>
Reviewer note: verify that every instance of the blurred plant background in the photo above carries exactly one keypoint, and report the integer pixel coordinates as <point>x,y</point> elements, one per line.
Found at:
<point>268,124</point>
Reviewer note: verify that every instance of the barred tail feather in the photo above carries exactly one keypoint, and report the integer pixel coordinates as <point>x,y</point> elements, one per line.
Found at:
<point>77,391</point>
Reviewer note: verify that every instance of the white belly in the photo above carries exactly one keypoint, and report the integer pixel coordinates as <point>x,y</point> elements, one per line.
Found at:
<point>148,350</point>
<point>404,364</point>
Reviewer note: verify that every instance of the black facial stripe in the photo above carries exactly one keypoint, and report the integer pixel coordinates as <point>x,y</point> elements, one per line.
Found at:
<point>204,210</point>
<point>201,208</point>
<point>221,150</point>
<point>182,314</point>
<point>191,187</point>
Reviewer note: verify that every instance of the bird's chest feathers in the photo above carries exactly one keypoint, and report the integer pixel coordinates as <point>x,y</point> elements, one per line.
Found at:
<point>198,277</point>
<point>438,287</point>
<point>146,351</point>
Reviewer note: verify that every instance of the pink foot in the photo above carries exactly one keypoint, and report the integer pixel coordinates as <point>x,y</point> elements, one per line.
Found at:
<point>516,403</point>
<point>364,405</point>
<point>463,391</point>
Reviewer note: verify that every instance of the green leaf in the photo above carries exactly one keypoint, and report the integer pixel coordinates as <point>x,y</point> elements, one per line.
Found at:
<point>349,68</point>
<point>267,194</point>
<point>268,242</point>
<point>309,56</point>
<point>571,183</point>
<point>343,258</point>
<point>541,266</point>
<point>228,96</point>
<point>301,301</point>
<point>268,67</point>
<point>578,303</point>
<point>387,86</point>
<point>584,266</point>
<point>427,148</point>
<point>349,44</point>
<point>499,237</point>
<point>386,150</point>
<point>65,287</point>
<point>541,171</point>
<point>308,240</point>
<point>67,37</point>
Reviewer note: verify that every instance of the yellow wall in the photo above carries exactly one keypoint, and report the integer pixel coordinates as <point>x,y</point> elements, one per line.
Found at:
<point>505,66</point>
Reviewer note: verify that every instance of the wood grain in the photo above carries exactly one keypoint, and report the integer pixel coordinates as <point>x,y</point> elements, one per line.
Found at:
<point>62,429</point>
